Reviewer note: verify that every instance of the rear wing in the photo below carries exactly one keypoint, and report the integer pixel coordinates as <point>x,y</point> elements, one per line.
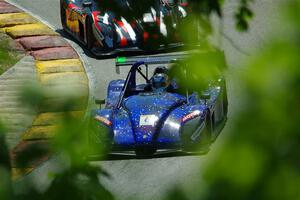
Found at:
<point>216,57</point>
<point>148,60</point>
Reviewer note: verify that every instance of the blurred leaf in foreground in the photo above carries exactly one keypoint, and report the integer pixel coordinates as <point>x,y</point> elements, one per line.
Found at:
<point>202,67</point>
<point>79,180</point>
<point>5,168</point>
<point>260,159</point>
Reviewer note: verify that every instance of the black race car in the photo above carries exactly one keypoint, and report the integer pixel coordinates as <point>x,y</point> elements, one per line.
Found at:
<point>110,26</point>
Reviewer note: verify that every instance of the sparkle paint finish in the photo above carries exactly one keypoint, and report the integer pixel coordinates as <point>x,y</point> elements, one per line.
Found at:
<point>123,131</point>
<point>158,104</point>
<point>155,118</point>
<point>113,92</point>
<point>170,132</point>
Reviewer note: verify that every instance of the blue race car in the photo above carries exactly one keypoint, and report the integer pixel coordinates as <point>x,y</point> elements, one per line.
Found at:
<point>155,117</point>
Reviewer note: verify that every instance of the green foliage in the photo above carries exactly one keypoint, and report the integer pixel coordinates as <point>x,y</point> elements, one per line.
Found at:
<point>207,6</point>
<point>78,178</point>
<point>201,67</point>
<point>243,15</point>
<point>5,180</point>
<point>197,22</point>
<point>260,157</point>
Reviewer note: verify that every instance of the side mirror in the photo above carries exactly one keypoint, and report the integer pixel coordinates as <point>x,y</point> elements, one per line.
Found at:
<point>87,4</point>
<point>100,102</point>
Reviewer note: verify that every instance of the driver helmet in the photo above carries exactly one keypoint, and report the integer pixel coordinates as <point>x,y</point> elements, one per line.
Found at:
<point>160,77</point>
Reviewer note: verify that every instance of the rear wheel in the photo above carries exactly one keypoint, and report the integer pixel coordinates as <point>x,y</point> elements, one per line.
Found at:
<point>90,38</point>
<point>150,46</point>
<point>63,17</point>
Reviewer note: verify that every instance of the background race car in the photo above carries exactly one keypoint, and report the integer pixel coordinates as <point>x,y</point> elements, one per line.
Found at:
<point>156,116</point>
<point>110,26</point>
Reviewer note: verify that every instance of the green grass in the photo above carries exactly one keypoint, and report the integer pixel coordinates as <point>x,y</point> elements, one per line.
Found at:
<point>8,56</point>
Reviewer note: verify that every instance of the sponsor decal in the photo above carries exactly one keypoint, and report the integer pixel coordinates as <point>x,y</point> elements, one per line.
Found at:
<point>123,40</point>
<point>148,120</point>
<point>192,115</point>
<point>148,17</point>
<point>129,30</point>
<point>73,6</point>
<point>103,120</point>
<point>146,36</point>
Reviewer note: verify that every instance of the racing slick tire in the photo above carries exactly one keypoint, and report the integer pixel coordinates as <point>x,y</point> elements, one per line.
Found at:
<point>150,46</point>
<point>90,38</point>
<point>97,148</point>
<point>142,152</point>
<point>63,16</point>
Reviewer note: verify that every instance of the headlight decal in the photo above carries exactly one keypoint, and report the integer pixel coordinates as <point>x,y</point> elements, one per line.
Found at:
<point>103,120</point>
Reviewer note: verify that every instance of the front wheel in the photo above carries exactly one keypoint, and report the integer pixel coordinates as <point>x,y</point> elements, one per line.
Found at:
<point>142,152</point>
<point>96,146</point>
<point>98,139</point>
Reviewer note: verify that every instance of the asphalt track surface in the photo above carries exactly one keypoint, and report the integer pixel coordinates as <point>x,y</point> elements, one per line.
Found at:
<point>153,178</point>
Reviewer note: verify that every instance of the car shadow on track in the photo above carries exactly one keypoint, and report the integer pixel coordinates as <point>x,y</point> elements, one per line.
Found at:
<point>88,53</point>
<point>111,157</point>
